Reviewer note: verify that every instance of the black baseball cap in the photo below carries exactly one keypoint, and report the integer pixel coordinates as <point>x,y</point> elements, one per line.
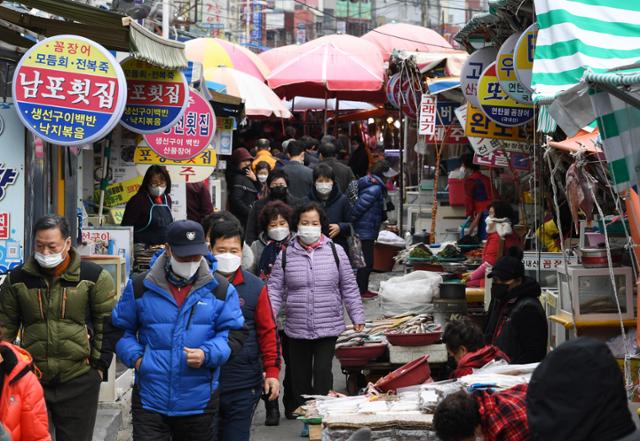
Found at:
<point>186,238</point>
<point>507,268</point>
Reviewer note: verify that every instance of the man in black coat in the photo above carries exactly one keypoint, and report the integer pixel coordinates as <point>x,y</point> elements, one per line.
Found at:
<point>343,173</point>
<point>517,322</point>
<point>300,176</point>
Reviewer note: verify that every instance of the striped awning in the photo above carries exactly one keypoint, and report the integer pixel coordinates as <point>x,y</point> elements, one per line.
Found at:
<point>579,35</point>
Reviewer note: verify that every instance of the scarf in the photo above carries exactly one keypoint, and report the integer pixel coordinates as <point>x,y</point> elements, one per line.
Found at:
<point>269,256</point>
<point>175,279</point>
<point>502,226</point>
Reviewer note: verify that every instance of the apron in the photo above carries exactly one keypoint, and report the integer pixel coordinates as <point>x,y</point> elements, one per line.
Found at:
<point>155,232</point>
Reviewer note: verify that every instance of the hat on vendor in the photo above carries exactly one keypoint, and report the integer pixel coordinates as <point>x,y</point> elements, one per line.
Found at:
<point>507,268</point>
<point>240,155</point>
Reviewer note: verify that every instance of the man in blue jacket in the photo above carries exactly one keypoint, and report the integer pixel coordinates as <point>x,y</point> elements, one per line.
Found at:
<point>177,319</point>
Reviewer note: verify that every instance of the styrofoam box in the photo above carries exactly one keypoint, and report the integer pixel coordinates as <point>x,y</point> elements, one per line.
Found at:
<point>405,354</point>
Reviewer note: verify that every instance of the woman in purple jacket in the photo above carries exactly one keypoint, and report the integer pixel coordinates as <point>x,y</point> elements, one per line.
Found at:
<point>313,280</point>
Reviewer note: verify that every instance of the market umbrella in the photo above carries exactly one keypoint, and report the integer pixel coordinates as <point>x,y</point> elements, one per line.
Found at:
<point>302,104</point>
<point>355,46</point>
<point>259,100</point>
<point>275,57</point>
<point>402,36</point>
<point>214,52</point>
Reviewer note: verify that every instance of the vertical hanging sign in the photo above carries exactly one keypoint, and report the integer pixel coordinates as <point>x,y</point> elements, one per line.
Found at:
<point>428,110</point>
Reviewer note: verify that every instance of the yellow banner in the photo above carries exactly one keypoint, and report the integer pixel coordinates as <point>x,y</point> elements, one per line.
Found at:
<point>146,156</point>
<point>480,126</point>
<point>120,192</point>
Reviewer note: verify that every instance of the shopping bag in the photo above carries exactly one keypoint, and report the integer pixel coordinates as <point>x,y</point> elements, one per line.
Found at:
<point>356,256</point>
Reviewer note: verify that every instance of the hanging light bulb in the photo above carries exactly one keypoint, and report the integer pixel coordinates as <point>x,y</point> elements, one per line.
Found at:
<point>389,119</point>
<point>396,124</point>
<point>371,121</point>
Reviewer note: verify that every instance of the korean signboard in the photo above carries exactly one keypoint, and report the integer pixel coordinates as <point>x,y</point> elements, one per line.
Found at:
<point>427,120</point>
<point>69,90</point>
<point>144,155</point>
<point>452,134</point>
<point>223,139</point>
<point>156,98</point>
<point>501,159</point>
<point>499,106</point>
<point>190,135</point>
<point>480,126</point>
<point>506,73</point>
<point>523,55</point>
<point>473,67</point>
<point>545,261</point>
<point>185,174</point>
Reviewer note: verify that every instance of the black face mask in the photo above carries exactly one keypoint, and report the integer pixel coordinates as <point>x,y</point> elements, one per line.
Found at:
<point>278,193</point>
<point>499,291</point>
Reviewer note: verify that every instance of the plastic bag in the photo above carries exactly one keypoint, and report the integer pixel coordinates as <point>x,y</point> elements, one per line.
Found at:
<point>389,238</point>
<point>458,173</point>
<point>411,293</point>
<point>356,255</point>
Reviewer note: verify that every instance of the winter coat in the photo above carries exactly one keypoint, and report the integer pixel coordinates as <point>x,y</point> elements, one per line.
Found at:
<point>199,203</point>
<point>148,219</point>
<point>497,232</point>
<point>338,211</point>
<point>300,179</point>
<point>478,193</point>
<point>157,330</point>
<point>310,293</point>
<point>243,193</point>
<point>478,359</point>
<point>65,323</point>
<point>264,156</point>
<point>252,225</point>
<point>369,210</point>
<point>343,173</point>
<point>23,411</point>
<point>517,324</point>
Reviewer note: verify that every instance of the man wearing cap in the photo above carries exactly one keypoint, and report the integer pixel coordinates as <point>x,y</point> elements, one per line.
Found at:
<point>243,184</point>
<point>177,318</point>
<point>517,322</point>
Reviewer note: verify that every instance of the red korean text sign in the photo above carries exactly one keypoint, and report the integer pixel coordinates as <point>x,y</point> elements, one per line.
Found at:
<point>69,90</point>
<point>190,135</point>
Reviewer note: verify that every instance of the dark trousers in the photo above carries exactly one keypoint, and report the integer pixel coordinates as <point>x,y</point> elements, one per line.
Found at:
<point>72,407</point>
<point>363,273</point>
<point>311,362</point>
<point>288,398</point>
<point>153,426</point>
<point>236,412</point>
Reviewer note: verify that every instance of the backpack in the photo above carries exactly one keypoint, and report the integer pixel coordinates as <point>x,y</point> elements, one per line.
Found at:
<point>333,249</point>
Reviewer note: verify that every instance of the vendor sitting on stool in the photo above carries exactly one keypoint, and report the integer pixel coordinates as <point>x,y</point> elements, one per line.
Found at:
<point>491,416</point>
<point>465,343</point>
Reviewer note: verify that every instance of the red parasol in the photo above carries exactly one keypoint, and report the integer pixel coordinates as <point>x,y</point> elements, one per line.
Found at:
<point>402,36</point>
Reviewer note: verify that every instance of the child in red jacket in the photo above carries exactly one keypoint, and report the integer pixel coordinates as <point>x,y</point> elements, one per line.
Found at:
<point>22,407</point>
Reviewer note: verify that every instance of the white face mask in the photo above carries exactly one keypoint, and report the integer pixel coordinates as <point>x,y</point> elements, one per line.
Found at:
<point>262,178</point>
<point>324,187</point>
<point>157,191</point>
<point>309,234</point>
<point>186,270</point>
<point>278,234</point>
<point>228,263</point>
<point>49,260</point>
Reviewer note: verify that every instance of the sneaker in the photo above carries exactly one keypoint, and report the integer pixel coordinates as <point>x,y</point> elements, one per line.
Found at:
<point>369,295</point>
<point>272,409</point>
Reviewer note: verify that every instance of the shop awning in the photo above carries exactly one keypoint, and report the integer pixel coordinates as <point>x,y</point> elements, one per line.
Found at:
<point>112,30</point>
<point>582,141</point>
<point>451,60</point>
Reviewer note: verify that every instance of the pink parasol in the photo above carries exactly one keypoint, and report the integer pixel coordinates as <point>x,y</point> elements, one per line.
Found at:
<point>402,36</point>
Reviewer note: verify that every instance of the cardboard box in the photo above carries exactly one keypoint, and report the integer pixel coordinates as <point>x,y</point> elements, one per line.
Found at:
<point>405,354</point>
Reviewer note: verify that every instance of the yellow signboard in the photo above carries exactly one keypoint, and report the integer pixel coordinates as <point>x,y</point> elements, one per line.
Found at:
<point>478,125</point>
<point>146,156</point>
<point>499,106</point>
<point>523,55</point>
<point>120,192</point>
<point>224,123</point>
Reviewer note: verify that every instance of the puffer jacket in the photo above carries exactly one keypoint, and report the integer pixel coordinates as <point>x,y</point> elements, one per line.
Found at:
<point>338,211</point>
<point>66,323</point>
<point>158,331</point>
<point>23,411</point>
<point>310,293</point>
<point>369,210</point>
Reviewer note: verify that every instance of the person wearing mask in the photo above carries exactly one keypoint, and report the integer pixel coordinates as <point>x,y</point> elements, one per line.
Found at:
<point>248,260</point>
<point>149,210</point>
<point>465,344</point>
<point>344,175</point>
<point>263,153</point>
<point>277,190</point>
<point>199,203</point>
<point>335,204</point>
<point>501,240</point>
<point>243,184</point>
<point>262,173</point>
<point>23,410</point>
<point>61,305</point>
<point>176,319</point>
<point>300,176</point>
<point>483,415</point>
<point>578,393</point>
<point>478,191</point>
<point>367,215</point>
<point>313,280</point>
<point>517,323</point>
<point>310,151</point>
<point>256,367</point>
<point>359,161</point>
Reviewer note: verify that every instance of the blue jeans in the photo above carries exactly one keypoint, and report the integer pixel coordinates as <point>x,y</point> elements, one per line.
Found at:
<point>236,412</point>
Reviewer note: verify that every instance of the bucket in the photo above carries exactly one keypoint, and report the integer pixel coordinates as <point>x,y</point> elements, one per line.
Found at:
<point>383,255</point>
<point>456,192</point>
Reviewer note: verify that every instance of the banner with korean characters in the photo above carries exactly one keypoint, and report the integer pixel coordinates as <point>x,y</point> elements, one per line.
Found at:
<point>69,90</point>
<point>473,67</point>
<point>506,73</point>
<point>119,193</point>
<point>499,106</point>
<point>478,125</point>
<point>428,112</point>
<point>223,139</point>
<point>190,135</point>
<point>523,55</point>
<point>447,129</point>
<point>156,97</point>
<point>12,188</point>
<point>192,170</point>
<point>502,159</point>
<point>546,261</point>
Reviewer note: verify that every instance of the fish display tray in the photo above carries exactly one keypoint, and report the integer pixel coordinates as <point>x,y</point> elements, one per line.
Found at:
<point>425,339</point>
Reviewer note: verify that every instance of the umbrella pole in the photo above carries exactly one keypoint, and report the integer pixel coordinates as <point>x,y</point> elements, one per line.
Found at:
<point>325,127</point>
<point>104,182</point>
<point>336,114</point>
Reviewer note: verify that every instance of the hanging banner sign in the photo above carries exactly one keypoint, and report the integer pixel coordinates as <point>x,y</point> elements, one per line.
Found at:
<point>427,121</point>
<point>120,192</point>
<point>478,125</point>
<point>523,55</point>
<point>473,67</point>
<point>145,155</point>
<point>506,73</point>
<point>69,90</point>
<point>185,174</point>
<point>500,159</point>
<point>156,97</point>
<point>453,134</point>
<point>190,135</point>
<point>499,106</point>
<point>223,139</point>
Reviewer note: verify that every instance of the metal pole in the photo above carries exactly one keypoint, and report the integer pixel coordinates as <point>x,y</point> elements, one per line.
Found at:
<point>166,7</point>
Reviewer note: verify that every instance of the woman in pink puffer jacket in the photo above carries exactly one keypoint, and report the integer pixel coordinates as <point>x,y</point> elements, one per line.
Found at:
<point>314,282</point>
